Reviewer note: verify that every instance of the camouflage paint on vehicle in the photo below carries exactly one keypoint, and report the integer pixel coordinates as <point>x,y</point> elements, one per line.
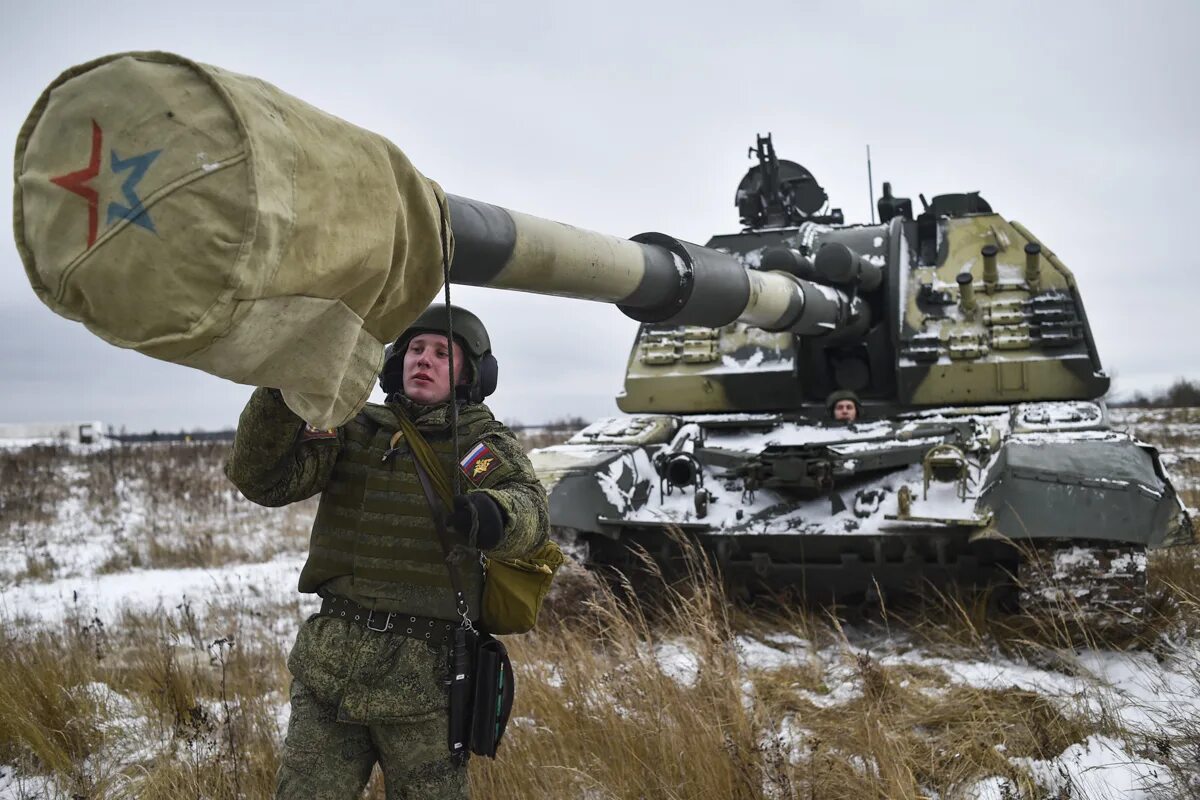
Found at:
<point>963,335</point>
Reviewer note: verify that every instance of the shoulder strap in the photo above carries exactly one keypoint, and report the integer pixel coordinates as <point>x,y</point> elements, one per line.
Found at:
<point>429,471</point>
<point>439,522</point>
<point>424,456</point>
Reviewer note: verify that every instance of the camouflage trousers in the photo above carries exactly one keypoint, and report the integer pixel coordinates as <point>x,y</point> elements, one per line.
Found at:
<point>361,697</point>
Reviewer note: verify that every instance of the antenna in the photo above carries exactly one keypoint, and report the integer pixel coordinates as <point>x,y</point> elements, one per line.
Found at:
<point>870,185</point>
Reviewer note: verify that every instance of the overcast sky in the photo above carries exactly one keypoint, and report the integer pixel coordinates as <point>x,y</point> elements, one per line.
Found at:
<point>1078,119</point>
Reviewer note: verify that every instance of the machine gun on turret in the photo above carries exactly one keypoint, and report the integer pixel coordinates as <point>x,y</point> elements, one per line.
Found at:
<point>777,193</point>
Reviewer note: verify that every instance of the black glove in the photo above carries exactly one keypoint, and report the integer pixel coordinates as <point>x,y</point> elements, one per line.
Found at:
<point>479,518</point>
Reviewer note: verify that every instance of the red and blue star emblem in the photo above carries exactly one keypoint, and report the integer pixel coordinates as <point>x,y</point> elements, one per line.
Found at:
<point>79,182</point>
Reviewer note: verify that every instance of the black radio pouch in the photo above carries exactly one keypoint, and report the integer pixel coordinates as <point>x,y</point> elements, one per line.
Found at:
<point>494,689</point>
<point>481,693</point>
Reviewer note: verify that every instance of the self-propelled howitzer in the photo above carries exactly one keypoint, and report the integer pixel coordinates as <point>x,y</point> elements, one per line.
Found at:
<point>963,336</point>
<point>254,237</point>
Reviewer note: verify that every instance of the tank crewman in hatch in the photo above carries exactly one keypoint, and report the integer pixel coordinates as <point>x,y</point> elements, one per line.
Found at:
<point>370,671</point>
<point>843,406</point>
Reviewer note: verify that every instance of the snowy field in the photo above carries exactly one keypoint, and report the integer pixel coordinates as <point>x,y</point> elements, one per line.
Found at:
<point>148,549</point>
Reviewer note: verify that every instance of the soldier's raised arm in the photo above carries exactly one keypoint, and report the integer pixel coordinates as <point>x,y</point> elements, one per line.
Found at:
<point>497,468</point>
<point>277,459</point>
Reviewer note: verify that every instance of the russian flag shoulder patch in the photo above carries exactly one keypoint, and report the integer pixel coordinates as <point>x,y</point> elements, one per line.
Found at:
<point>478,463</point>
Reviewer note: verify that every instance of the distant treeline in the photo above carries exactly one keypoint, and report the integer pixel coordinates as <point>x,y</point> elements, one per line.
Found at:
<point>561,424</point>
<point>1183,393</point>
<point>180,436</point>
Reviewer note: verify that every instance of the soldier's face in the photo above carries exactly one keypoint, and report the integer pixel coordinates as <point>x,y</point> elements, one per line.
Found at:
<point>427,368</point>
<point>845,411</point>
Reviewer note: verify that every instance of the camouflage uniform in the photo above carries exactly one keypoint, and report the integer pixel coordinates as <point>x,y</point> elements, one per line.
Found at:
<point>361,696</point>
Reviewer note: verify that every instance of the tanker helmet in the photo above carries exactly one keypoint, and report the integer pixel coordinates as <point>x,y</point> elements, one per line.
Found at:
<point>471,335</point>
<point>840,395</point>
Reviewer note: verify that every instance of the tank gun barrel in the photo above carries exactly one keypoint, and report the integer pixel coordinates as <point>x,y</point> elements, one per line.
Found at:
<point>651,277</point>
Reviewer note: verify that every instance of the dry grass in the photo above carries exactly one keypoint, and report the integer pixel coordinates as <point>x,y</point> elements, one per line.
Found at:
<point>157,705</point>
<point>914,733</point>
<point>599,716</point>
<point>964,625</point>
<point>38,567</point>
<point>1180,749</point>
<point>185,703</point>
<point>48,720</point>
<point>214,543</point>
<point>148,506</point>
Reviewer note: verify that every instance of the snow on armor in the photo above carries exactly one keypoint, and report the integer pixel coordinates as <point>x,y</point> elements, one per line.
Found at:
<point>209,219</point>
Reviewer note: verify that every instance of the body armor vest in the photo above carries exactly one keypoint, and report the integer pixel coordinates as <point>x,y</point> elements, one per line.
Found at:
<point>373,539</point>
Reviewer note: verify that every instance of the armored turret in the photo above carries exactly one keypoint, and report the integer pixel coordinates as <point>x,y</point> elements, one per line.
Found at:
<point>958,305</point>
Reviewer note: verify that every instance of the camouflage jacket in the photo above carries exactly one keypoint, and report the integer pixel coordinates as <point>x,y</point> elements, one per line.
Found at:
<point>373,539</point>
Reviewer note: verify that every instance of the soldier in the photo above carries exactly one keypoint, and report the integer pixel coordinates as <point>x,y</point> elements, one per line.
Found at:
<point>843,406</point>
<point>370,671</point>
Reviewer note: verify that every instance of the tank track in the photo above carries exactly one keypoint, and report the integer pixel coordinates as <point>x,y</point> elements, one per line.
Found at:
<point>1101,588</point>
<point>1078,590</point>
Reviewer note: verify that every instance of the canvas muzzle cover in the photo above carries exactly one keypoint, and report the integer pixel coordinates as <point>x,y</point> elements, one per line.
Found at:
<point>209,219</point>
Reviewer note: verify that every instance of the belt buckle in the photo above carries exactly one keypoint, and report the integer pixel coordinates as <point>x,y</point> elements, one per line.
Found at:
<point>387,623</point>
